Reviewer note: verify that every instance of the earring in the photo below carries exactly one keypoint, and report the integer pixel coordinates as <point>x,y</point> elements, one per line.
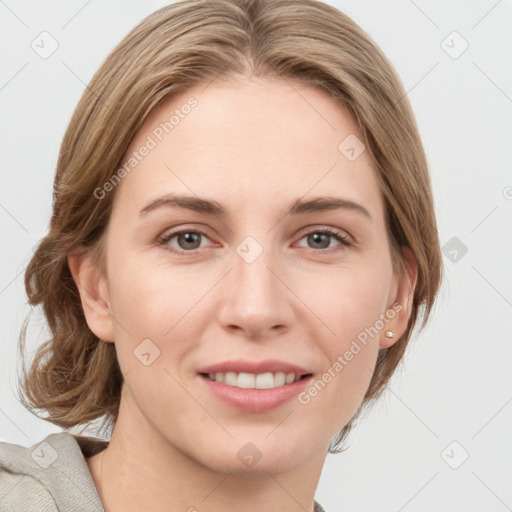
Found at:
<point>390,334</point>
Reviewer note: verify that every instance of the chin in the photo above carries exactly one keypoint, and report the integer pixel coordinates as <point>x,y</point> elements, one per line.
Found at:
<point>256,455</point>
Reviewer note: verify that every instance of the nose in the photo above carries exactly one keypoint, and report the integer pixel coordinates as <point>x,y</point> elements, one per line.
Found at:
<point>255,300</point>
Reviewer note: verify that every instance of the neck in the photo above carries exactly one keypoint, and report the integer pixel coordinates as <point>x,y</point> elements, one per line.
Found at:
<point>140,470</point>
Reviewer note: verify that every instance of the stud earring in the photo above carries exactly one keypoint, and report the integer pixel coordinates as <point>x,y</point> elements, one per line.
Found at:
<point>390,334</point>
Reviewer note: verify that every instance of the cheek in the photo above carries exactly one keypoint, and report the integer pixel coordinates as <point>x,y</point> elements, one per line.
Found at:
<point>158,311</point>
<point>334,396</point>
<point>149,299</point>
<point>348,300</point>
<point>352,305</point>
<point>352,308</point>
<point>152,329</point>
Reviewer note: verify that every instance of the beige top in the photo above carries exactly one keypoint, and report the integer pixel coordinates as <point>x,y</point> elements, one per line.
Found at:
<point>52,475</point>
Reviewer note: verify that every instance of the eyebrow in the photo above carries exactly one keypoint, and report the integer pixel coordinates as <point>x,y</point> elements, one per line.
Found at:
<point>210,207</point>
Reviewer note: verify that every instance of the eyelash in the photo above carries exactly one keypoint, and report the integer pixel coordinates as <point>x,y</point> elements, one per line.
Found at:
<point>345,242</point>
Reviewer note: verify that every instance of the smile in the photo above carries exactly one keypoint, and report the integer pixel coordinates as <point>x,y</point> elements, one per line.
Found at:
<point>244,380</point>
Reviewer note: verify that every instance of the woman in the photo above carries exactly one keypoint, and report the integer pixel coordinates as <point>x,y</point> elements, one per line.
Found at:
<point>243,238</point>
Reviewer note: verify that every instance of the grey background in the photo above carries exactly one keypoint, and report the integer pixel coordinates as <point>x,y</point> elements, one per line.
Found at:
<point>455,383</point>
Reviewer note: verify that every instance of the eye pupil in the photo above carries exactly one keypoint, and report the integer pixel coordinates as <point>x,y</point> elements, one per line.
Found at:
<point>318,238</point>
<point>189,239</point>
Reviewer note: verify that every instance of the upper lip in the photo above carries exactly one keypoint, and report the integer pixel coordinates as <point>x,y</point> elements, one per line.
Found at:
<point>244,366</point>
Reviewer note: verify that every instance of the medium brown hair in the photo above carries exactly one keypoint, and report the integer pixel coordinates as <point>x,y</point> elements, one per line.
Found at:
<point>74,376</point>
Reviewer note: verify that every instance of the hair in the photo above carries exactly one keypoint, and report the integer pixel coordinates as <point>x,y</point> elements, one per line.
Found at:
<point>74,376</point>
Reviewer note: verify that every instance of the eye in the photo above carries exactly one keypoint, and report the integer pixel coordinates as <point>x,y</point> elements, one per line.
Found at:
<point>188,240</point>
<point>322,238</point>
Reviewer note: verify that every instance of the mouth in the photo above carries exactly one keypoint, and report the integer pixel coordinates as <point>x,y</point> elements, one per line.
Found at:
<point>267,386</point>
<point>244,380</point>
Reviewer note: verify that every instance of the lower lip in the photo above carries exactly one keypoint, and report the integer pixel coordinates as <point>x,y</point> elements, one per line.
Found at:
<point>255,400</point>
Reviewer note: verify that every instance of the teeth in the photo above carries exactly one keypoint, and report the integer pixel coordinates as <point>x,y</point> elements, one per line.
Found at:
<point>229,378</point>
<point>280,378</point>
<point>290,377</point>
<point>251,381</point>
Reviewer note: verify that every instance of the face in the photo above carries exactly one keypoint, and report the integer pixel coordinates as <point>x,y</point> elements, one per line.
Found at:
<point>260,271</point>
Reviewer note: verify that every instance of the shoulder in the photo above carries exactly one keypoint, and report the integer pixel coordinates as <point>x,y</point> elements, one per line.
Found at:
<point>23,492</point>
<point>50,475</point>
<point>21,487</point>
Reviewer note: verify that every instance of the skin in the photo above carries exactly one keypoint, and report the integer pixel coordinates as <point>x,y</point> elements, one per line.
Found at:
<point>254,146</point>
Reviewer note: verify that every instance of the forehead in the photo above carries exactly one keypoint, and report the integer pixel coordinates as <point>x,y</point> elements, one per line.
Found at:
<point>256,139</point>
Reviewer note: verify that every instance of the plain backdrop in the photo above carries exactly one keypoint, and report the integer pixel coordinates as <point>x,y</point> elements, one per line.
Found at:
<point>440,437</point>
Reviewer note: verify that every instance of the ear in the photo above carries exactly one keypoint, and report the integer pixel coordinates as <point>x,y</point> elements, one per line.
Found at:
<point>401,301</point>
<point>93,289</point>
